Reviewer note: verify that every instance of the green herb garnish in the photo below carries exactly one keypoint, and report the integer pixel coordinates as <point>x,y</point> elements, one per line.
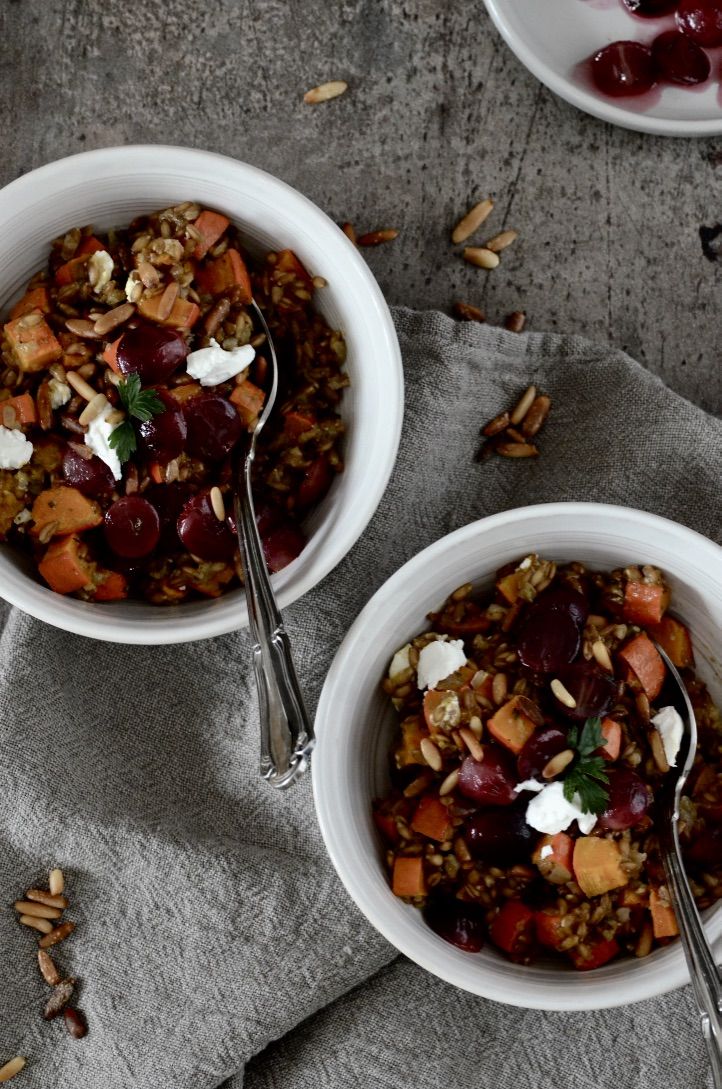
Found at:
<point>588,777</point>
<point>141,404</point>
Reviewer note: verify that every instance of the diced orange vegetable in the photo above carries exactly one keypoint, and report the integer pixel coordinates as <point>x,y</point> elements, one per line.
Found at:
<point>248,399</point>
<point>69,509</point>
<point>186,392</point>
<point>315,483</point>
<point>441,708</point>
<point>553,858</point>
<point>510,726</point>
<point>72,271</point>
<point>65,566</point>
<point>32,341</point>
<point>644,603</point>
<point>408,879</point>
<point>24,406</point>
<point>90,244</point>
<point>157,472</point>
<point>612,732</point>
<point>409,751</point>
<point>110,355</point>
<point>631,898</point>
<point>674,638</point>
<point>210,226</point>
<point>642,657</point>
<point>183,315</point>
<point>386,826</point>
<point>664,922</point>
<point>224,272</point>
<point>549,929</point>
<point>36,298</point>
<point>111,586</point>
<point>295,423</point>
<point>598,865</point>
<point>598,953</point>
<point>508,587</point>
<point>432,819</point>
<point>287,261</point>
<point>512,928</point>
<point>472,622</point>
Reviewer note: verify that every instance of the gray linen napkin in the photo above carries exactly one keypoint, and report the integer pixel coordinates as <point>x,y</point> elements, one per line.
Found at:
<point>210,922</point>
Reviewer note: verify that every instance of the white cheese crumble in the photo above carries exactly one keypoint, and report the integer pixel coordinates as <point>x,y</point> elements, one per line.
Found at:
<point>550,812</point>
<point>213,364</point>
<point>60,393</point>
<point>670,728</point>
<point>546,850</point>
<point>438,660</point>
<point>130,285</point>
<point>15,449</point>
<point>400,661</point>
<point>96,438</point>
<point>100,269</point>
<point>529,784</point>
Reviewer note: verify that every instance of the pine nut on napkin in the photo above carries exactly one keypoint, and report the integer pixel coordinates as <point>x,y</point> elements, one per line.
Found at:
<point>209,921</point>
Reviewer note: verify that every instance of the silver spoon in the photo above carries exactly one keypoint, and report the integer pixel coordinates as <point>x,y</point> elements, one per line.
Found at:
<point>703,972</point>
<point>286,731</point>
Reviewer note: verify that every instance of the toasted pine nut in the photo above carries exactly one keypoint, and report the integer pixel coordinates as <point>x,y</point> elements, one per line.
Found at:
<point>601,655</point>
<point>523,405</point>
<point>59,934</point>
<point>431,754</point>
<point>48,968</point>
<point>39,896</point>
<point>44,926</point>
<point>644,945</point>
<point>12,1068</point>
<point>82,328</point>
<point>558,763</point>
<point>114,318</point>
<point>92,409</point>
<point>642,702</point>
<point>561,693</point>
<point>500,241</point>
<point>319,282</point>
<point>472,221</point>
<point>150,277</point>
<point>350,232</point>
<point>449,782</point>
<point>325,92</point>
<point>81,386</point>
<point>375,238</point>
<point>657,747</point>
<point>515,321</point>
<point>167,300</point>
<point>56,882</point>
<point>481,257</point>
<point>38,911</point>
<point>499,687</point>
<point>218,505</point>
<point>466,312</point>
<point>499,423</point>
<point>517,450</point>
<point>536,416</point>
<point>475,725</point>
<point>472,743</point>
<point>461,850</point>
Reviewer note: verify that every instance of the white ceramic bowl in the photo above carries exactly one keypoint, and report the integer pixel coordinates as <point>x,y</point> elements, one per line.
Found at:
<point>108,188</point>
<point>354,725</point>
<point>551,37</point>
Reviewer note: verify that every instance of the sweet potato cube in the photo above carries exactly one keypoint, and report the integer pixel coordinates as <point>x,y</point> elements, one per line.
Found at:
<point>512,928</point>
<point>24,408</point>
<point>642,657</point>
<point>90,244</point>
<point>674,638</point>
<point>612,733</point>
<point>67,509</point>
<point>595,954</point>
<point>110,586</point>
<point>441,709</point>
<point>549,929</point>
<point>65,566</point>
<point>286,261</point>
<point>553,858</point>
<point>664,922</point>
<point>73,271</point>
<point>225,272</point>
<point>33,342</point>
<point>183,315</point>
<point>508,587</point>
<point>598,865</point>
<point>408,878</point>
<point>36,298</point>
<point>644,603</point>
<point>210,226</point>
<point>510,726</point>
<point>248,399</point>
<point>432,819</point>
<point>110,355</point>
<point>409,752</point>
<point>386,825</point>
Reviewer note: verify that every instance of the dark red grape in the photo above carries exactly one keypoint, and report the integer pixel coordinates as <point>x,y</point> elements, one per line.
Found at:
<point>132,527</point>
<point>623,68</point>
<point>459,922</point>
<point>651,9</point>
<point>168,500</point>
<point>91,476</point>
<point>202,533</point>
<point>151,352</point>
<point>214,427</point>
<point>551,633</point>
<point>701,20</point>
<point>629,799</point>
<point>538,751</point>
<point>491,781</point>
<point>679,60</point>
<point>281,545</point>
<point>593,689</point>
<point>164,436</point>
<point>706,848</point>
<point>268,516</point>
<point>502,837</point>
<point>316,482</point>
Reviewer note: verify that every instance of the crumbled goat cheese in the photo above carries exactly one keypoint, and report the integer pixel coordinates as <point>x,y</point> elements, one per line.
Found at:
<point>438,660</point>
<point>100,269</point>
<point>670,728</point>
<point>15,449</point>
<point>213,365</point>
<point>550,812</point>
<point>96,438</point>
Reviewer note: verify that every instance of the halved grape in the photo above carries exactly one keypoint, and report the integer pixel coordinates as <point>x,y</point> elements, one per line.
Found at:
<point>151,352</point>
<point>551,633</point>
<point>701,20</point>
<point>593,689</point>
<point>538,751</point>
<point>281,544</point>
<point>214,427</point>
<point>163,437</point>
<point>502,837</point>
<point>651,9</point>
<point>706,848</point>
<point>91,476</point>
<point>459,922</point>
<point>132,527</point>
<point>202,533</point>
<point>680,60</point>
<point>629,799</point>
<point>623,68</point>
<point>491,781</point>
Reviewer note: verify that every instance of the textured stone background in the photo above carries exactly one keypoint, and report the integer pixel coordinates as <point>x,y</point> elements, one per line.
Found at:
<point>439,113</point>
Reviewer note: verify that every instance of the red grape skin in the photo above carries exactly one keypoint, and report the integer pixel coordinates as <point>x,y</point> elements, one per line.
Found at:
<point>456,921</point>
<point>680,60</point>
<point>214,427</point>
<point>151,352</point>
<point>550,634</point>
<point>623,68</point>
<point>701,20</point>
<point>202,533</point>
<point>651,9</point>
<point>538,751</point>
<point>628,801</point>
<point>164,436</point>
<point>490,782</point>
<point>132,527</point>
<point>91,476</point>
<point>593,689</point>
<point>500,837</point>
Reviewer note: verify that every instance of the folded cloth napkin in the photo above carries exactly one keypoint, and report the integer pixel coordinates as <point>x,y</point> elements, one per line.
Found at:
<point>209,921</point>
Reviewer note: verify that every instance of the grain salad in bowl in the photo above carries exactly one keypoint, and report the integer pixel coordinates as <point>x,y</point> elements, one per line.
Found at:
<point>130,370</point>
<point>533,732</point>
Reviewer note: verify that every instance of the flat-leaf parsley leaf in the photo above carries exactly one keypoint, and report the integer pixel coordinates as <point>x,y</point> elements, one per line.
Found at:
<point>141,404</point>
<point>587,776</point>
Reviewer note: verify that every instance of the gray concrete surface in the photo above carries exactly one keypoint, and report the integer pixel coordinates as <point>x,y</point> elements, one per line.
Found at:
<point>439,113</point>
